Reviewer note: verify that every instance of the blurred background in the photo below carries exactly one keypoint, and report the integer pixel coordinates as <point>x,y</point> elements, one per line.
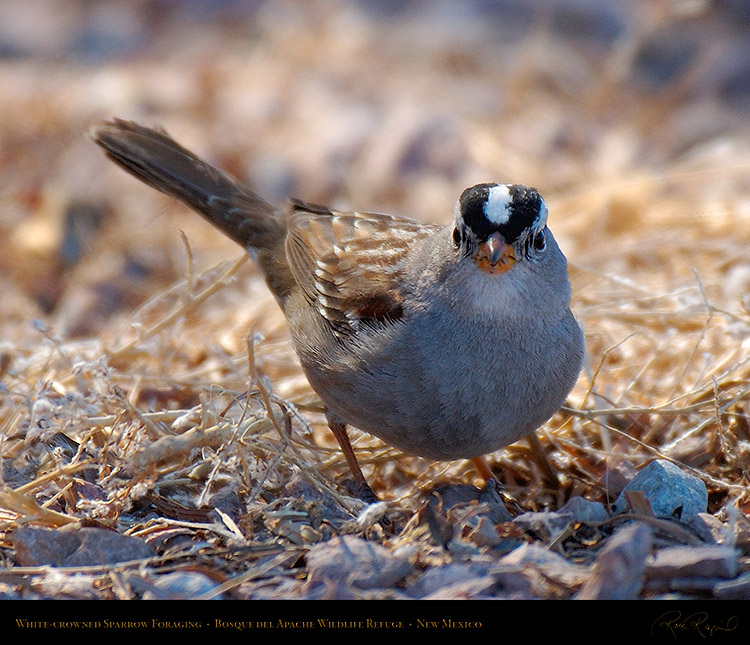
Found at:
<point>631,117</point>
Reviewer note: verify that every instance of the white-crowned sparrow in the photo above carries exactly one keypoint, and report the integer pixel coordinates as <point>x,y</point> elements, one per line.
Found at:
<point>447,342</point>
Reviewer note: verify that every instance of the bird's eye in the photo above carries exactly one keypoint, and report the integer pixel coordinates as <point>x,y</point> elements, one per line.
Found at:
<point>540,241</point>
<point>456,237</point>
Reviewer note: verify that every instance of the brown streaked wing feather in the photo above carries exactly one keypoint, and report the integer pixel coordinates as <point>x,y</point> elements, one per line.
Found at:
<point>350,264</point>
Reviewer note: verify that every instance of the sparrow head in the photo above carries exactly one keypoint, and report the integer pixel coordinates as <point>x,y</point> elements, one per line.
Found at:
<point>499,224</point>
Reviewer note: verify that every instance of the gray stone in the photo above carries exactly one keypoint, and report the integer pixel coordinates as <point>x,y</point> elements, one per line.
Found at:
<point>180,585</point>
<point>710,529</point>
<point>440,577</point>
<point>694,561</point>
<point>362,564</point>
<point>669,489</point>
<point>534,557</point>
<point>618,572</point>
<point>485,534</point>
<point>737,589</point>
<point>583,510</point>
<point>75,548</point>
<point>451,495</point>
<point>550,524</point>
<point>466,589</point>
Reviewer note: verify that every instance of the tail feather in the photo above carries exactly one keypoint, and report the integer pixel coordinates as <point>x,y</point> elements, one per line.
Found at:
<point>156,159</point>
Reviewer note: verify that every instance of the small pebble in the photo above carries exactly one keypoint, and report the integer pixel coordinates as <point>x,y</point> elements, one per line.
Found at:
<point>180,585</point>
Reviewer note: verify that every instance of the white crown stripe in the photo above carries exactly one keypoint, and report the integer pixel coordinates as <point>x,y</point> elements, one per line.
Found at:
<point>497,209</point>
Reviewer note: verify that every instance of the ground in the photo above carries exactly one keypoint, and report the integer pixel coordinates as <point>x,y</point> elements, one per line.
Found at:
<point>148,388</point>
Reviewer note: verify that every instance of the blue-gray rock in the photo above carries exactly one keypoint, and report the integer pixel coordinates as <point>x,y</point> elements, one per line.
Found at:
<point>671,491</point>
<point>583,510</point>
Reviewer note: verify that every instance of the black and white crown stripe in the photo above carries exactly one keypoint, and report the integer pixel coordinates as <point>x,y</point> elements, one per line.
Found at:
<point>513,210</point>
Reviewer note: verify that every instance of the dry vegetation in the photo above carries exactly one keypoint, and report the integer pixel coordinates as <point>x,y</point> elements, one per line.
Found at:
<point>147,383</point>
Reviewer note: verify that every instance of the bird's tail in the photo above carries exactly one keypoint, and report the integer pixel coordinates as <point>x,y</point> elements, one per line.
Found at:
<point>156,159</point>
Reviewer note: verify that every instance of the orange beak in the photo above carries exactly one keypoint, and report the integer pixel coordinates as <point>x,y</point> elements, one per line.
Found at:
<point>494,255</point>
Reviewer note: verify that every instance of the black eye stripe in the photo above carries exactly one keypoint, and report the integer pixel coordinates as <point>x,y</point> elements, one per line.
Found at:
<point>472,204</point>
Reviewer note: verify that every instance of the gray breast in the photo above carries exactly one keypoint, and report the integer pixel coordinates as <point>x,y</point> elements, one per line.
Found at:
<point>432,389</point>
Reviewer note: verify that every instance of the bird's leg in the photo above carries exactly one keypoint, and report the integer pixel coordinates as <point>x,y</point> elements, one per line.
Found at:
<point>537,454</point>
<point>541,459</point>
<point>484,470</point>
<point>363,490</point>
